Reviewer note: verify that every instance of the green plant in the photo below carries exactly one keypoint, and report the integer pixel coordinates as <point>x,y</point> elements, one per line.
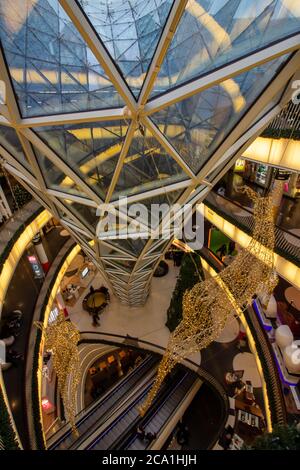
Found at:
<point>282,438</point>
<point>7,433</point>
<point>293,134</point>
<point>188,276</point>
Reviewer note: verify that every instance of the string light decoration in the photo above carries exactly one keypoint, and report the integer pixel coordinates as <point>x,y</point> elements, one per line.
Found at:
<point>210,303</point>
<point>61,338</point>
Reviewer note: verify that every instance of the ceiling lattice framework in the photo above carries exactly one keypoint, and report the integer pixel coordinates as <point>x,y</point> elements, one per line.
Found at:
<point>149,99</point>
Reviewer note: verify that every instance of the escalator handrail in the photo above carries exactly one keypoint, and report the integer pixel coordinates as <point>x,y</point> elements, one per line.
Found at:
<point>120,416</point>
<point>93,407</point>
<point>160,405</point>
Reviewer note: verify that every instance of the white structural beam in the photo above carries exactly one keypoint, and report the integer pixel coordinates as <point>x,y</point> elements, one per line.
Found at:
<point>27,149</point>
<point>11,103</point>
<point>88,33</point>
<point>223,73</point>
<point>4,115</point>
<point>35,194</point>
<point>73,118</point>
<point>73,217</point>
<point>21,174</point>
<point>125,147</point>
<point>167,146</point>
<point>175,14</point>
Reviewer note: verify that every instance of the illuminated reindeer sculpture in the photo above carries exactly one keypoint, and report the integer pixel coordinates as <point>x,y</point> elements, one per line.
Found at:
<point>210,303</point>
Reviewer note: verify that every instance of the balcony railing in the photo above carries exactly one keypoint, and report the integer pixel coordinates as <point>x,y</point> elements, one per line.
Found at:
<point>286,124</point>
<point>287,243</point>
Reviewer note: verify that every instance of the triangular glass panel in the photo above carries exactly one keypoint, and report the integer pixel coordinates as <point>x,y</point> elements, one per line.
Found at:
<point>157,247</point>
<point>107,251</point>
<point>86,214</point>
<point>11,143</point>
<point>132,246</point>
<point>147,166</point>
<point>91,149</point>
<point>147,265</point>
<point>213,33</point>
<point>130,30</point>
<point>197,125</point>
<point>155,207</point>
<point>55,178</point>
<point>119,277</point>
<point>124,264</point>
<point>52,68</point>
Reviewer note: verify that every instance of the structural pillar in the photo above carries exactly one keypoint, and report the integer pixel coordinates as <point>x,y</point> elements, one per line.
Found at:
<point>40,250</point>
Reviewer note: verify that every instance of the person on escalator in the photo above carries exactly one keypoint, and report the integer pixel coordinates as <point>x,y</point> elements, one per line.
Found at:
<point>96,319</point>
<point>150,437</point>
<point>140,432</point>
<point>182,434</point>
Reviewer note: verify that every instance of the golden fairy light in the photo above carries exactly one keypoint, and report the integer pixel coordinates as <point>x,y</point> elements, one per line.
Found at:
<point>210,303</point>
<point>61,338</point>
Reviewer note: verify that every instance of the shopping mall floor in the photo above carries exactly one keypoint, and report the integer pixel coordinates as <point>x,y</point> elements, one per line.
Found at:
<point>22,294</point>
<point>220,357</point>
<point>289,213</point>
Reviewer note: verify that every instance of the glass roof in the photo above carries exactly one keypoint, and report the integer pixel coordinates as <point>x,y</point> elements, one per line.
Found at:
<point>130,30</point>
<point>197,125</point>
<point>52,68</point>
<point>136,97</point>
<point>91,150</point>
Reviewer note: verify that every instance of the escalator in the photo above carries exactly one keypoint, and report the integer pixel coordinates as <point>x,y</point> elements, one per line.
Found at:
<point>121,432</point>
<point>97,414</point>
<point>160,416</point>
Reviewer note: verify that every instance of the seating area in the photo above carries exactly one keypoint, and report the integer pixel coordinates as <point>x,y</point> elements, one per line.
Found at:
<point>245,421</point>
<point>96,300</point>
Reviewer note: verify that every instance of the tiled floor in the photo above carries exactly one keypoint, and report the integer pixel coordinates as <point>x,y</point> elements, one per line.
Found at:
<point>147,322</point>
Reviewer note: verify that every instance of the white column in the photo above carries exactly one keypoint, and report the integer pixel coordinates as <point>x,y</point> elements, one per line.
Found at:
<point>40,250</point>
<point>61,303</point>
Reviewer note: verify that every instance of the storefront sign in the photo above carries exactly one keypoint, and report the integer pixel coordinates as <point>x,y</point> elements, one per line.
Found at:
<point>36,267</point>
<point>282,174</point>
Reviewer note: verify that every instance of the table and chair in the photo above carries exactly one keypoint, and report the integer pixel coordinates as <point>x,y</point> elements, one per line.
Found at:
<point>96,300</point>
<point>249,419</point>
